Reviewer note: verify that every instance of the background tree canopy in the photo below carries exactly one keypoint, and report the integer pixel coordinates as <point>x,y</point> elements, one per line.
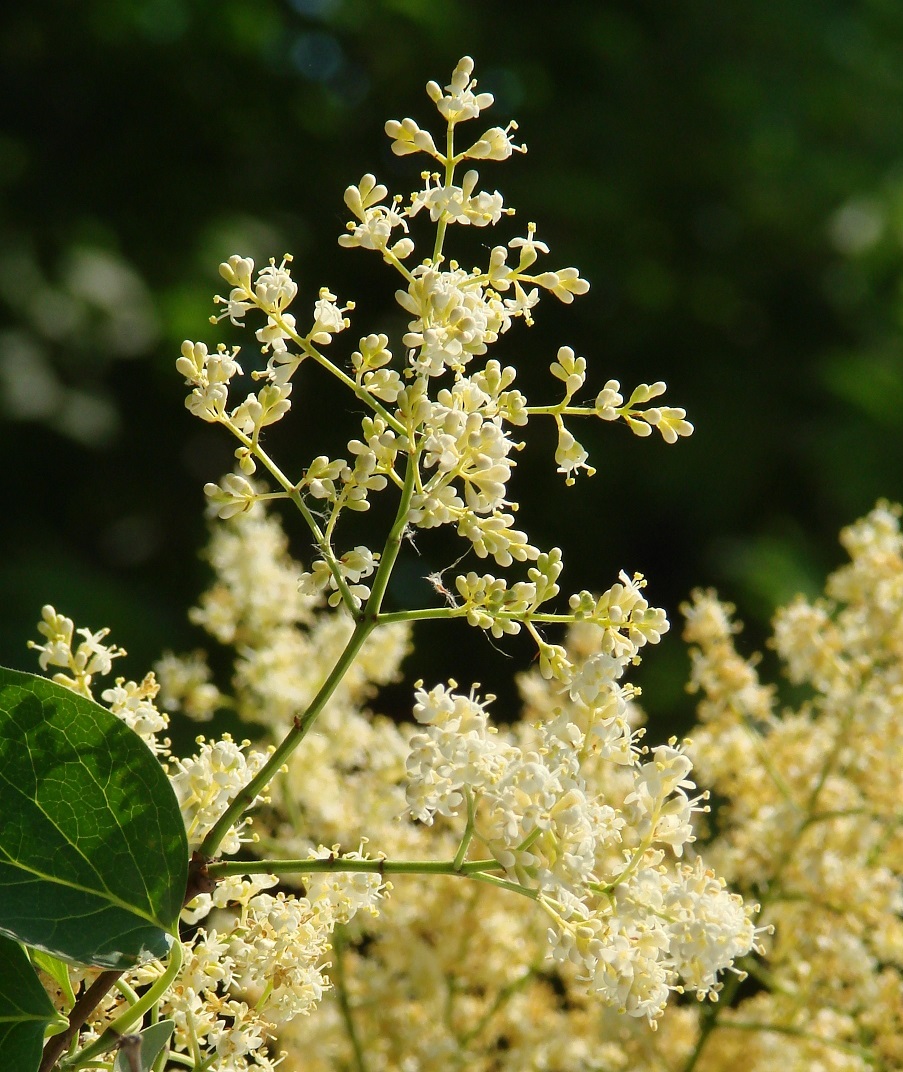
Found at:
<point>728,176</point>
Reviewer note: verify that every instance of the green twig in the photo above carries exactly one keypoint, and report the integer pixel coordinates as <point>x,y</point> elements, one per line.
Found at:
<point>339,864</point>
<point>467,836</point>
<point>338,947</point>
<point>246,796</point>
<point>131,1015</point>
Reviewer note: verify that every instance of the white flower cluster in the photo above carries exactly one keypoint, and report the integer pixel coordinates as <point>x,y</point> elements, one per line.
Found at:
<point>91,656</point>
<point>590,835</point>
<point>636,924</point>
<point>438,426</point>
<point>133,702</point>
<point>810,820</point>
<point>438,431</point>
<point>206,783</point>
<point>271,949</point>
<point>664,924</point>
<point>260,959</point>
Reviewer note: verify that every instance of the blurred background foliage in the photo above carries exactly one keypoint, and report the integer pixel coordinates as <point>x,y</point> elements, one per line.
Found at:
<point>728,176</point>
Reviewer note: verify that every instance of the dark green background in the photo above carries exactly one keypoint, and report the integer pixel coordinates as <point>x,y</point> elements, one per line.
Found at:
<point>727,175</point>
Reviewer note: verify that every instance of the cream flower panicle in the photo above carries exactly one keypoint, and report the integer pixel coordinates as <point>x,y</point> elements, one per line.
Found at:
<point>569,877</point>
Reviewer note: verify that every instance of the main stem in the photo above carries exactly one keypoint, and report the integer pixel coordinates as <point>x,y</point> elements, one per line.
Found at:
<point>246,797</point>
<point>364,625</point>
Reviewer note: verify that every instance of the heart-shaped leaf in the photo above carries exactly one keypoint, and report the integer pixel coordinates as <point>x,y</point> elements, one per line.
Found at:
<point>25,1010</point>
<point>93,853</point>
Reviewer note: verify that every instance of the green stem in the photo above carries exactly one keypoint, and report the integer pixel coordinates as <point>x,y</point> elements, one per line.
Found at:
<point>293,492</point>
<point>364,625</point>
<point>246,796</point>
<point>479,870</point>
<point>359,390</point>
<point>127,992</point>
<point>57,1044</point>
<point>442,226</point>
<point>393,543</point>
<point>338,947</point>
<point>467,836</point>
<point>338,864</point>
<point>505,884</point>
<point>501,998</point>
<point>133,1014</point>
<point>433,613</point>
<point>422,614</point>
<point>325,545</point>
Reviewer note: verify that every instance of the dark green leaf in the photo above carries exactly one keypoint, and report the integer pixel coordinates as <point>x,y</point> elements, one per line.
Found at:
<point>25,1010</point>
<point>93,854</point>
<point>153,1039</point>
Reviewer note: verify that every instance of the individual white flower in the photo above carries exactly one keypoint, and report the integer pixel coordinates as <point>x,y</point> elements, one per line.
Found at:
<point>328,318</point>
<point>208,402</point>
<point>496,536</point>
<point>459,204</point>
<point>596,677</point>
<point>278,330</point>
<point>374,222</point>
<point>275,289</point>
<point>233,495</point>
<point>407,137</point>
<point>571,456</point>
<point>529,246</point>
<point>237,271</point>
<point>374,352</point>
<point>495,144</point>
<point>242,1034</point>
<point>459,102</point>
<point>608,401</point>
<point>564,284</point>
<point>570,369</point>
<point>670,421</point>
<point>268,406</point>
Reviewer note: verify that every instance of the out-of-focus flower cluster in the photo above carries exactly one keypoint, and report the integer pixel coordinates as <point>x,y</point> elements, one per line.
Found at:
<point>810,822</point>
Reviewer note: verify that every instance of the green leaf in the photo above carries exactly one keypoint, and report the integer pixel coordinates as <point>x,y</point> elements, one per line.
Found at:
<point>153,1039</point>
<point>93,853</point>
<point>25,1010</point>
<point>58,971</point>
